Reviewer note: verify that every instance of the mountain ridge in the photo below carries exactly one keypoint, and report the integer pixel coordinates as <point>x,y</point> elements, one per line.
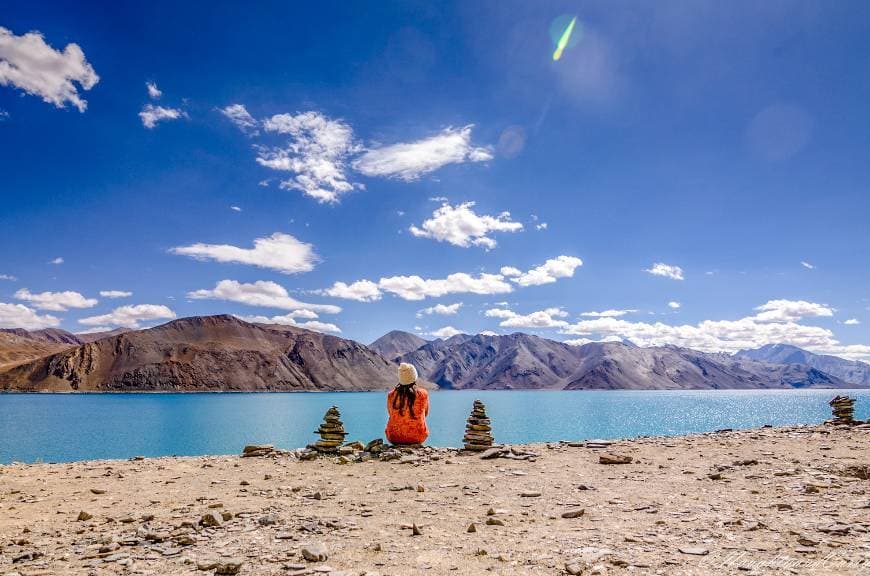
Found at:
<point>225,353</point>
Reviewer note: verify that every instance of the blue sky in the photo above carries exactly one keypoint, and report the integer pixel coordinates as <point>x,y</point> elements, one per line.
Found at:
<point>707,155</point>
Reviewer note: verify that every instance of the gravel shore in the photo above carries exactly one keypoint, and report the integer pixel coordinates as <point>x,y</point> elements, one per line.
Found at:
<point>764,501</point>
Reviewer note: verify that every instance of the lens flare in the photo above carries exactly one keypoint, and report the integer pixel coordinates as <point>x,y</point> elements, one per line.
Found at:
<point>564,39</point>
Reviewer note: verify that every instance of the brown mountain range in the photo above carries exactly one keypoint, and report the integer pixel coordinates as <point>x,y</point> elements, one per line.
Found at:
<point>223,353</point>
<point>207,354</point>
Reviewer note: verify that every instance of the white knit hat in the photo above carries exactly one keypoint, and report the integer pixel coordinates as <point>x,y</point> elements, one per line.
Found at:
<point>407,374</point>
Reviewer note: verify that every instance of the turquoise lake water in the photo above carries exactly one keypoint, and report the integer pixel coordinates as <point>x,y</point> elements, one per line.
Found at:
<point>65,427</point>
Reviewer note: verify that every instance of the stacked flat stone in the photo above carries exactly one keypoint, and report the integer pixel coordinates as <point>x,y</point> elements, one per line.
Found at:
<point>843,409</point>
<point>478,430</point>
<point>331,432</point>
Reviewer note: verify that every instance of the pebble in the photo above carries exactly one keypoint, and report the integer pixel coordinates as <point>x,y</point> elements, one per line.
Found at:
<point>694,550</point>
<point>315,552</point>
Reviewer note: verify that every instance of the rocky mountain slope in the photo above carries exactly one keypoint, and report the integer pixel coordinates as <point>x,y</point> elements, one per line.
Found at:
<point>851,371</point>
<point>48,335</point>
<point>521,361</point>
<point>205,354</point>
<point>16,349</point>
<point>396,343</point>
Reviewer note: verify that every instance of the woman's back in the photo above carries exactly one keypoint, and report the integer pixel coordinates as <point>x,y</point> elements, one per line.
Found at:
<point>408,407</point>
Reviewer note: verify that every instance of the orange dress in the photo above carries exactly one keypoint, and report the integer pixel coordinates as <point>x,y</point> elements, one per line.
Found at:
<point>401,428</point>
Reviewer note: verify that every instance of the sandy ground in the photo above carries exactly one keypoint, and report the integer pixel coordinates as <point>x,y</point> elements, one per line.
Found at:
<point>769,501</point>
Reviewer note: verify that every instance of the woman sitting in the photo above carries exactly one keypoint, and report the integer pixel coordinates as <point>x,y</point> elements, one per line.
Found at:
<point>408,406</point>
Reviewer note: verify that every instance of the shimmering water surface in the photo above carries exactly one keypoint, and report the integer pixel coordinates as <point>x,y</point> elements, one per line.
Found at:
<point>57,428</point>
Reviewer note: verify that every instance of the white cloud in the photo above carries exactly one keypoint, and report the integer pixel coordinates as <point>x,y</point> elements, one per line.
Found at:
<point>673,304</point>
<point>317,153</point>
<point>4,115</point>
<point>807,265</point>
<point>28,63</point>
<point>791,311</point>
<point>115,294</point>
<point>488,333</point>
<point>57,260</point>
<point>290,320</point>
<point>94,330</point>
<point>541,226</point>
<point>461,226</point>
<point>261,293</point>
<point>130,316</point>
<point>239,115</point>
<point>607,313</point>
<point>777,324</point>
<point>852,322</point>
<point>410,160</point>
<point>361,291</point>
<point>8,277</point>
<point>56,301</point>
<point>579,341</point>
<point>153,91</point>
<point>151,115</point>
<point>20,316</point>
<point>281,252</point>
<point>446,332</point>
<point>442,309</point>
<point>666,270</point>
<point>235,209</point>
<point>548,318</point>
<point>417,288</point>
<point>549,271</point>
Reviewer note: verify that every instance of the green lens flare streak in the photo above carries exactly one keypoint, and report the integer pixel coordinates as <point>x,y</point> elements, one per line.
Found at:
<point>563,40</point>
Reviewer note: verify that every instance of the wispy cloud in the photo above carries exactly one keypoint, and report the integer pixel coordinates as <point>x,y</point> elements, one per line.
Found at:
<point>261,293</point>
<point>115,294</point>
<point>807,265</point>
<point>239,115</point>
<point>666,270</point>
<point>56,301</point>
<point>607,313</point>
<point>410,160</point>
<point>281,252</point>
<point>317,153</point>
<point>548,318</point>
<point>130,316</point>
<point>440,309</point>
<point>153,91</point>
<point>151,115</point>
<point>414,287</point>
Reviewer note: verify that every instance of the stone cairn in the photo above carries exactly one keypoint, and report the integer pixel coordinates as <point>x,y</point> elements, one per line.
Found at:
<point>478,430</point>
<point>843,409</point>
<point>331,432</point>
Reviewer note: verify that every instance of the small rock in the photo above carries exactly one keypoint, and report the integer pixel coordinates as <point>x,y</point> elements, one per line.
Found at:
<point>268,520</point>
<point>97,491</point>
<point>84,516</point>
<point>694,550</point>
<point>471,528</point>
<point>614,459</point>
<point>530,494</point>
<point>574,513</point>
<point>315,552</point>
<point>211,520</point>
<point>415,530</point>
<point>493,521</point>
